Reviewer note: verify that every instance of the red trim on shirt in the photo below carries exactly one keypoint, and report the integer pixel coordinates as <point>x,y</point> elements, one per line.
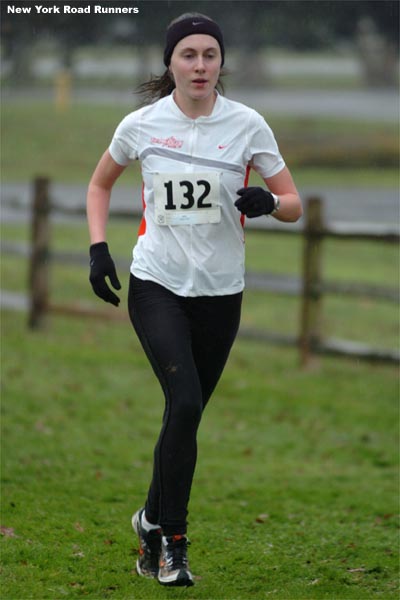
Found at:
<point>246,182</point>
<point>142,226</point>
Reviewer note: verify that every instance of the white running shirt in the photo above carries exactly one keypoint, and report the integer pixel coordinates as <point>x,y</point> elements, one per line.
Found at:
<point>191,238</point>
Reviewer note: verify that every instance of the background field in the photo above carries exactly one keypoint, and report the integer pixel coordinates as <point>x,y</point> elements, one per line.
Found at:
<point>66,146</point>
<point>295,494</point>
<point>367,320</point>
<point>296,491</point>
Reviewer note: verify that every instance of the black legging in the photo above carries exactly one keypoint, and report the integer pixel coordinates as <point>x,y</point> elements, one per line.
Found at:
<point>187,341</point>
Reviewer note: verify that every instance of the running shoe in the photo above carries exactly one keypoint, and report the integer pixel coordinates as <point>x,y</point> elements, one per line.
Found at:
<point>149,547</point>
<point>174,566</point>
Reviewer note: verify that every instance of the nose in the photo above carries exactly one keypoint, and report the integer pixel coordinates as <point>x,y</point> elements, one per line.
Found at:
<point>200,64</point>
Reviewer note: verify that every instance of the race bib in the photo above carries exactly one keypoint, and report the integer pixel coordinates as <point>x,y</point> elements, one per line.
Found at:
<point>187,198</point>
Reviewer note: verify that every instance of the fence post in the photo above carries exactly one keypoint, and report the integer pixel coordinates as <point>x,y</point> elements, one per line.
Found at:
<point>39,258</point>
<point>310,325</point>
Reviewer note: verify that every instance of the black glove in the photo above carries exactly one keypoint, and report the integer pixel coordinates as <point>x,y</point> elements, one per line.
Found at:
<point>255,201</point>
<point>101,266</point>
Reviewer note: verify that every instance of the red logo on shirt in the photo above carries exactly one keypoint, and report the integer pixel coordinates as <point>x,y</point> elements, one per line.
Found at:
<point>170,142</point>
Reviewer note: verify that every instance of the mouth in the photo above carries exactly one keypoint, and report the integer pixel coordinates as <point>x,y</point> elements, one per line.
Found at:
<point>199,81</point>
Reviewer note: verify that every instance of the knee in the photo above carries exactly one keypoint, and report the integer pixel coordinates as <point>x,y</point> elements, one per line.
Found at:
<point>187,411</point>
<point>192,411</point>
<point>184,396</point>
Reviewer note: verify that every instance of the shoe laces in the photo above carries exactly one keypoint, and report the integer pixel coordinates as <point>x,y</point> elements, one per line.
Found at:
<point>176,557</point>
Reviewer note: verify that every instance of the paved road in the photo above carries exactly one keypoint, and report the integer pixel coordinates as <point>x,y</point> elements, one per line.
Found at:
<point>355,206</point>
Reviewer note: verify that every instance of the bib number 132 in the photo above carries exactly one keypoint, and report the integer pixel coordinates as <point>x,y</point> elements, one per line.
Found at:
<point>188,194</point>
<point>186,198</point>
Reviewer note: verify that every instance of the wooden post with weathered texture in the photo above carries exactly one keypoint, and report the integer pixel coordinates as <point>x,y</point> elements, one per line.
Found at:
<point>310,323</point>
<point>40,254</point>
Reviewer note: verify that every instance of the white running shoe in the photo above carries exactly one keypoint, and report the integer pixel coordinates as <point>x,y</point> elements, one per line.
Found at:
<point>174,566</point>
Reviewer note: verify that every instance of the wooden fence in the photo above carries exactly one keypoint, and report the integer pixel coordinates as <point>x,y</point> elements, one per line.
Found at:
<point>311,286</point>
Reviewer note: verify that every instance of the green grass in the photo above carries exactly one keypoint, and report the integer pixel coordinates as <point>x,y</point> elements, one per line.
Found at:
<point>370,321</point>
<point>366,320</point>
<point>295,494</point>
<point>38,140</point>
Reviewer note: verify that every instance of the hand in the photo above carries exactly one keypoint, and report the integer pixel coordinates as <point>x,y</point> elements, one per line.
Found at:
<point>102,266</point>
<point>255,201</point>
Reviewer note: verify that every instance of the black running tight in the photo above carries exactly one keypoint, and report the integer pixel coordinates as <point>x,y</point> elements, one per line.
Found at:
<point>187,341</point>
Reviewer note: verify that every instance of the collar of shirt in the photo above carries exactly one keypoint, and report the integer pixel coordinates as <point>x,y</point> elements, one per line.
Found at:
<point>177,111</point>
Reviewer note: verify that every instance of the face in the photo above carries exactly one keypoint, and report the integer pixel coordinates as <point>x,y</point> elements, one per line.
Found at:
<point>195,66</point>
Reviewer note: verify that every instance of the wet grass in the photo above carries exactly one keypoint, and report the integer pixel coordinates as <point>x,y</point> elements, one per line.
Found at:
<point>368,320</point>
<point>296,491</point>
<point>66,146</point>
<point>295,494</point>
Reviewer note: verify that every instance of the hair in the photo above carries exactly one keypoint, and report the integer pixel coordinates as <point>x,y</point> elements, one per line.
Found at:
<point>159,86</point>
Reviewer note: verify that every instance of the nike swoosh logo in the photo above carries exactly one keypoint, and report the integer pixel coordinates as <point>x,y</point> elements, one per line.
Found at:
<point>199,23</point>
<point>222,147</point>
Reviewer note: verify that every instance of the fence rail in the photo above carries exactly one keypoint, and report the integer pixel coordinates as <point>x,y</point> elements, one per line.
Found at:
<point>311,287</point>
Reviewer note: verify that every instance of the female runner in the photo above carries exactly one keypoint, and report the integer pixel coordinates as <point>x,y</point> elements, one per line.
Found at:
<point>196,149</point>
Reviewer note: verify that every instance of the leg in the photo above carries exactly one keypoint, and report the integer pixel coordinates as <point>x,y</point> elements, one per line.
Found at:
<point>163,328</point>
<point>214,324</point>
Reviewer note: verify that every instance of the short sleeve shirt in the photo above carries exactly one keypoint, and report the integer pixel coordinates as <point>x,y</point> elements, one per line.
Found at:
<point>191,238</point>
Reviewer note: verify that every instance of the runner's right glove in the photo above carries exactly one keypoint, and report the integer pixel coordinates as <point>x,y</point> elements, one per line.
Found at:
<point>102,266</point>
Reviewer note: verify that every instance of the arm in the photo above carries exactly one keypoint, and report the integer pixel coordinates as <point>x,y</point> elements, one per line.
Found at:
<point>256,201</point>
<point>98,201</point>
<point>266,158</point>
<point>98,196</point>
<point>282,185</point>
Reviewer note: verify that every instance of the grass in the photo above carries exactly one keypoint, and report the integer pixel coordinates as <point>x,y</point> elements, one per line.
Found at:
<point>371,321</point>
<point>38,140</point>
<point>295,494</point>
<point>296,490</point>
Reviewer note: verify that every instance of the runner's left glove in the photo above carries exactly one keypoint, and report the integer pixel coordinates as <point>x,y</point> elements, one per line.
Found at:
<point>102,266</point>
<point>255,201</point>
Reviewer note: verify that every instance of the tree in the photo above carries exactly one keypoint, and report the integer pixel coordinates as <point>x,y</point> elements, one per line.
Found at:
<point>249,26</point>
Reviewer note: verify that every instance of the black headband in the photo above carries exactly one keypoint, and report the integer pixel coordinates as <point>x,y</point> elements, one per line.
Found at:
<point>190,26</point>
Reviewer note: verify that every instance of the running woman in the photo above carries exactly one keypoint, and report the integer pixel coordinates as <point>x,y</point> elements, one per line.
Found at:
<point>196,149</point>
